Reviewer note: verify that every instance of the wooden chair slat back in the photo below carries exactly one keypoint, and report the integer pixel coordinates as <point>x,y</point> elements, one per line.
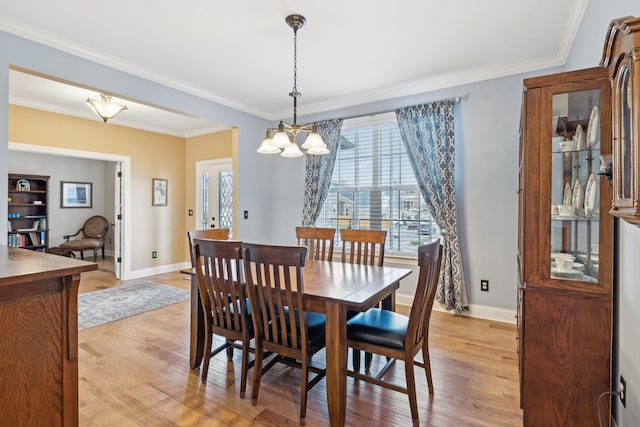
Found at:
<point>220,271</point>
<point>210,234</point>
<point>275,288</point>
<point>318,240</point>
<point>363,246</point>
<point>429,260</point>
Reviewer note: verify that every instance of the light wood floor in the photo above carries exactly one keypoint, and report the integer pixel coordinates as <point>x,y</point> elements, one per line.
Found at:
<point>135,372</point>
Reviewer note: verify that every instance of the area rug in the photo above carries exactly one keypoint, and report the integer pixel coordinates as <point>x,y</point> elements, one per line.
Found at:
<point>99,307</point>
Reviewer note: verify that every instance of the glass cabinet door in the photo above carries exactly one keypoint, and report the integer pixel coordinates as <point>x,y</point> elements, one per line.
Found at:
<point>575,185</point>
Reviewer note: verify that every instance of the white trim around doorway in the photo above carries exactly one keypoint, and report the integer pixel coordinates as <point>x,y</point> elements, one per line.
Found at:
<point>125,161</point>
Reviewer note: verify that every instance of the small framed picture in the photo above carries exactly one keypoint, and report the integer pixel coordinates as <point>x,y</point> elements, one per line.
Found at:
<point>159,189</point>
<point>76,194</point>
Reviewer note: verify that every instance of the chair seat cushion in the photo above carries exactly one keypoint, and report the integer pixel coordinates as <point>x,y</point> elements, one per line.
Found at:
<point>247,311</point>
<point>315,322</point>
<point>380,327</point>
<point>80,244</point>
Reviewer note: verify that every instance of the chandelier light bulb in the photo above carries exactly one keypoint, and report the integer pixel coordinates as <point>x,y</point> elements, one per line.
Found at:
<point>291,150</point>
<point>267,146</point>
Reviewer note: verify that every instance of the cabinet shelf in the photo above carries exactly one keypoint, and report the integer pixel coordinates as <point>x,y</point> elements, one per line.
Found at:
<point>595,218</point>
<point>27,220</point>
<point>28,192</point>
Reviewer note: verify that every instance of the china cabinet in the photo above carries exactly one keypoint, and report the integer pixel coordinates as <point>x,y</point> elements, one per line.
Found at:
<point>28,211</point>
<point>564,249</point>
<point>621,57</point>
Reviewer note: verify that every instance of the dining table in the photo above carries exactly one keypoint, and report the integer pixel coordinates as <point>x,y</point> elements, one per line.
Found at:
<point>331,288</point>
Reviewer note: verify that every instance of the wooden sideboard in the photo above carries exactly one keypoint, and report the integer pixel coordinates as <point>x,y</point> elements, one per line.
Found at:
<point>39,337</point>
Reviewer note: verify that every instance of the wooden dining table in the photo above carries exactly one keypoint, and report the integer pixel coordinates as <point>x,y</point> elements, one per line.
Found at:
<point>331,288</point>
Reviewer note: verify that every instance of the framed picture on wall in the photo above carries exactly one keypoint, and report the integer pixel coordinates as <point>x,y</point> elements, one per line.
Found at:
<point>159,189</point>
<point>76,194</point>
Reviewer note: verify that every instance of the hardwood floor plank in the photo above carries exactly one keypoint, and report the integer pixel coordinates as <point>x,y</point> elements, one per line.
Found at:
<point>135,372</point>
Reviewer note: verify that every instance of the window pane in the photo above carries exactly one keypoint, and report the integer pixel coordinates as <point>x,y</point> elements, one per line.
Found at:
<point>374,187</point>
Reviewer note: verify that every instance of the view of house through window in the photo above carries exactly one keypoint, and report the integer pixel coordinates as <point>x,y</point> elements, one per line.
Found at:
<point>374,187</point>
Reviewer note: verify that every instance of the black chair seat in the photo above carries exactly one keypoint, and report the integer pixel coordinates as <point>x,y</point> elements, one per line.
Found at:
<point>247,311</point>
<point>380,327</point>
<point>316,324</point>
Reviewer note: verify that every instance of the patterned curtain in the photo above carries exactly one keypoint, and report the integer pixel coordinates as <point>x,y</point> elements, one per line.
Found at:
<point>428,134</point>
<point>319,170</point>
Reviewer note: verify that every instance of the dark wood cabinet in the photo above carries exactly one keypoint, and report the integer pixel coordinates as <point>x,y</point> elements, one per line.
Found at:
<point>28,212</point>
<point>565,249</point>
<point>621,56</point>
<point>39,340</point>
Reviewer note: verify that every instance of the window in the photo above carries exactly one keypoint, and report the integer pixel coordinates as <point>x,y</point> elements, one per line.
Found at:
<point>374,187</point>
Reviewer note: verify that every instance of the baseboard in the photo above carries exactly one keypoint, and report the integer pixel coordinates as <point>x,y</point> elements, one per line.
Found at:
<point>475,310</point>
<point>158,270</point>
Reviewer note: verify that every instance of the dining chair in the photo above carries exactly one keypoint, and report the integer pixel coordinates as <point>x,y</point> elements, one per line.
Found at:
<point>401,337</point>
<point>207,233</point>
<point>218,264</point>
<point>363,247</point>
<point>318,240</point>
<point>275,287</point>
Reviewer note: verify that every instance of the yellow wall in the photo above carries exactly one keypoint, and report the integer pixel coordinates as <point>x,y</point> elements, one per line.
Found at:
<point>153,155</point>
<point>218,145</point>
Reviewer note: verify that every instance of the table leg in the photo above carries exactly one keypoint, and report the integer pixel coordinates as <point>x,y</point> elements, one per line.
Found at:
<point>197,326</point>
<point>336,341</point>
<point>389,303</point>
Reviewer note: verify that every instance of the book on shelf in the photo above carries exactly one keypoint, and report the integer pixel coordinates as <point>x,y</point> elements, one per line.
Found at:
<point>35,238</point>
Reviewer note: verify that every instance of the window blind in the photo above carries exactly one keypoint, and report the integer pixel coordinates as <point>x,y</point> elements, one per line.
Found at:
<point>374,187</point>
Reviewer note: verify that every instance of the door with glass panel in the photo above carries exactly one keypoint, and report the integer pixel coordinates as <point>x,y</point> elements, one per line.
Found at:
<point>214,194</point>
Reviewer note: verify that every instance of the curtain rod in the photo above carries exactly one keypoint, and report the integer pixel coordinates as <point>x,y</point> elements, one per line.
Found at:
<point>457,100</point>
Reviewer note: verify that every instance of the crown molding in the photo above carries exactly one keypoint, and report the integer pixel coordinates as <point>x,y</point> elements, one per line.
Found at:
<point>70,47</point>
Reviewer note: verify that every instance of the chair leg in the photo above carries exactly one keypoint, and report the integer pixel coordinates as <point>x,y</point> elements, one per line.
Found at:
<point>208,342</point>
<point>411,390</point>
<point>229,350</point>
<point>103,252</point>
<point>257,373</point>
<point>95,255</point>
<point>82,255</point>
<point>355,359</point>
<point>427,363</point>
<point>368,357</point>
<point>304,382</point>
<point>244,367</point>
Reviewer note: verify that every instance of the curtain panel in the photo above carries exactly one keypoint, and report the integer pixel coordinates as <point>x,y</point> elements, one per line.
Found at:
<point>318,172</point>
<point>428,134</point>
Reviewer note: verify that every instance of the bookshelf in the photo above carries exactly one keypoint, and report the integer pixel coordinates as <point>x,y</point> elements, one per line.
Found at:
<point>28,212</point>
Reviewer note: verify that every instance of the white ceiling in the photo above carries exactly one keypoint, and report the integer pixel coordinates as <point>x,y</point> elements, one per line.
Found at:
<point>240,53</point>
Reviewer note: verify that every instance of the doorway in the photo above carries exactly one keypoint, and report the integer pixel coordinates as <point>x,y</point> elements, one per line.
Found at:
<point>121,191</point>
<point>214,194</point>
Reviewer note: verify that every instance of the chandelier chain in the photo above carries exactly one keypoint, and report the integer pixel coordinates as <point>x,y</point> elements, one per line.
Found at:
<point>295,61</point>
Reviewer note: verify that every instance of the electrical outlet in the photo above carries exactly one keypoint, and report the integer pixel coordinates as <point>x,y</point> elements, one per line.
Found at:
<point>154,254</point>
<point>246,214</point>
<point>623,391</point>
<point>484,285</point>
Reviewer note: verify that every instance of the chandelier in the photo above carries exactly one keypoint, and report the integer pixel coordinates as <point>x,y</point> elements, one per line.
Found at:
<point>283,138</point>
<point>105,108</point>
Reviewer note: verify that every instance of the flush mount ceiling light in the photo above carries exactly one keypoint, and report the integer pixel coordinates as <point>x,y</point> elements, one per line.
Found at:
<point>283,138</point>
<point>105,108</point>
